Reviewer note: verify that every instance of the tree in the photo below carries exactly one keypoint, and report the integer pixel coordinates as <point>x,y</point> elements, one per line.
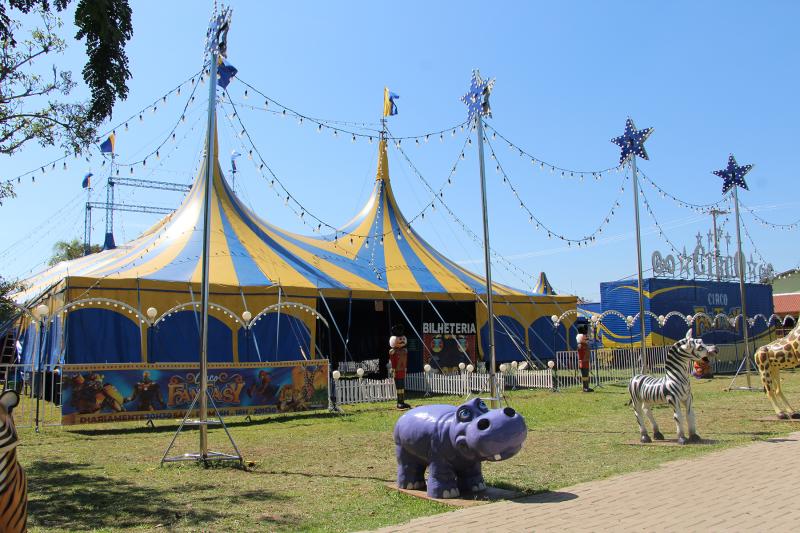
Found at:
<point>30,100</point>
<point>7,307</point>
<point>66,250</point>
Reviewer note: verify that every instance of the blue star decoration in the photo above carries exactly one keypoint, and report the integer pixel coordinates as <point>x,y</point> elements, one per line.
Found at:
<point>632,142</point>
<point>733,175</point>
<point>477,99</point>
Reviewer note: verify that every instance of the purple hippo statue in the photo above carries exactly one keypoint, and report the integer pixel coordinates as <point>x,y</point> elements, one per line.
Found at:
<point>453,441</point>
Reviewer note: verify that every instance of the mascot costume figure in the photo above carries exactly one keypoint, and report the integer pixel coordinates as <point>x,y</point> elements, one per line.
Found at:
<point>398,358</point>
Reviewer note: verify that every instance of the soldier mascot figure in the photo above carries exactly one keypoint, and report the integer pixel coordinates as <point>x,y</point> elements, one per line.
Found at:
<point>398,358</point>
<point>582,341</point>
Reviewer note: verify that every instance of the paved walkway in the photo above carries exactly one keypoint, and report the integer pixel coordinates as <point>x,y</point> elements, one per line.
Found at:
<point>748,488</point>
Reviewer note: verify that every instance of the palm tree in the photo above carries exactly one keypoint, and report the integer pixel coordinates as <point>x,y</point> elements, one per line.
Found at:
<point>66,250</point>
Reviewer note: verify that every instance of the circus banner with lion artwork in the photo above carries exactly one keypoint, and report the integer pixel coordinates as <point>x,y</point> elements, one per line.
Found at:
<point>115,393</point>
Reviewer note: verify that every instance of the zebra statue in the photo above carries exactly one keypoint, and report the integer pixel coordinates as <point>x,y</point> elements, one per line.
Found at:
<point>13,486</point>
<point>673,388</point>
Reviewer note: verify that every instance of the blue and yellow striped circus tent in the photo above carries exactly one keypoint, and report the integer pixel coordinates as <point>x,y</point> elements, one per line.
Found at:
<point>275,295</point>
<point>543,285</point>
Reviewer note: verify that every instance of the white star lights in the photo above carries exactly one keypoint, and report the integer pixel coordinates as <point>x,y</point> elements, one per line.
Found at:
<point>477,99</point>
<point>632,142</point>
<point>733,175</point>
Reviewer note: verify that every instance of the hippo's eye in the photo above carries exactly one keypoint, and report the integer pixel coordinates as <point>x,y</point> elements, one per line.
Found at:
<point>464,415</point>
<point>482,406</point>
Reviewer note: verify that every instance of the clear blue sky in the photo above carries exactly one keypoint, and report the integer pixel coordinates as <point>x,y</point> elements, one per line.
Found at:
<point>710,77</point>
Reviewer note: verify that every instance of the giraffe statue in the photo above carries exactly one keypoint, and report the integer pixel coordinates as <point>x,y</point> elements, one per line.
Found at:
<point>782,353</point>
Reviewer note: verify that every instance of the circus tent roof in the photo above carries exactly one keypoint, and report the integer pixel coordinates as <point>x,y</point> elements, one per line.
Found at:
<point>543,285</point>
<point>374,254</point>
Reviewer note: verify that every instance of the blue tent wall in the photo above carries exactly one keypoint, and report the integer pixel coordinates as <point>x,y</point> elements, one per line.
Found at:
<point>542,340</point>
<point>294,335</point>
<point>176,339</point>
<point>52,341</point>
<point>504,347</point>
<point>29,345</point>
<point>687,297</point>
<point>101,336</point>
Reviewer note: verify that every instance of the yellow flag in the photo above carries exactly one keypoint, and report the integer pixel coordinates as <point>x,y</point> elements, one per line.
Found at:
<point>389,107</point>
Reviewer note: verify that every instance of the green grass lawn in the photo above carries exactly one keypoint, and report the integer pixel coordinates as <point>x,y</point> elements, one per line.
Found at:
<point>326,472</point>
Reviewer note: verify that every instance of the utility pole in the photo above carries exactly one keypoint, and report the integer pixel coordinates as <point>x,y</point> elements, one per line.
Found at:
<point>714,213</point>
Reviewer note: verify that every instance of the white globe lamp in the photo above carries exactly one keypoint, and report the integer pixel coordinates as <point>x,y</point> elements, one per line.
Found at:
<point>41,311</point>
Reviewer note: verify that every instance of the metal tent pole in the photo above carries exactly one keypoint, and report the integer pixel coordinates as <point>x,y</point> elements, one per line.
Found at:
<point>209,184</point>
<point>488,261</point>
<point>215,48</point>
<point>740,265</point>
<point>642,330</point>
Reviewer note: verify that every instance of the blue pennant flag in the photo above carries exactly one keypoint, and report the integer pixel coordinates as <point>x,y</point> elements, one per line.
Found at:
<point>87,181</point>
<point>107,146</point>
<point>225,71</point>
<point>234,155</point>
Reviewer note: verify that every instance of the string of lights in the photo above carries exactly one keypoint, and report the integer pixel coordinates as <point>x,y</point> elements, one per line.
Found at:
<point>752,242</point>
<point>790,226</point>
<point>323,124</point>
<point>308,218</point>
<point>63,159</point>
<point>521,275</point>
<point>153,107</point>
<point>177,144</point>
<point>565,172</point>
<point>700,208</point>
<point>537,223</point>
<point>366,126</point>
<point>660,229</point>
<point>169,137</point>
<point>378,220</point>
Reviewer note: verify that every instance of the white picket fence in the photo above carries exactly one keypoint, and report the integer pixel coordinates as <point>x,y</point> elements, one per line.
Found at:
<point>459,384</point>
<point>529,379</point>
<point>350,367</point>
<point>350,391</point>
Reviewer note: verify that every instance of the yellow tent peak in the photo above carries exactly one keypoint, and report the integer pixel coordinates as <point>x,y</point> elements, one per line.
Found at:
<point>383,163</point>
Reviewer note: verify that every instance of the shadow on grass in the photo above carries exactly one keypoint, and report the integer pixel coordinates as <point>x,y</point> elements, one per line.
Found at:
<point>70,496</point>
<point>172,426</point>
<point>583,431</point>
<point>671,443</point>
<point>316,475</point>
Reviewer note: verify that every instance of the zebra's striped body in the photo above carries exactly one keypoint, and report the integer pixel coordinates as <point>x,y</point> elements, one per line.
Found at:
<point>673,388</point>
<point>13,485</point>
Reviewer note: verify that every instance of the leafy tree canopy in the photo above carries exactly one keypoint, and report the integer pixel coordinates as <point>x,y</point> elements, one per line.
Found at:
<point>32,97</point>
<point>66,250</point>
